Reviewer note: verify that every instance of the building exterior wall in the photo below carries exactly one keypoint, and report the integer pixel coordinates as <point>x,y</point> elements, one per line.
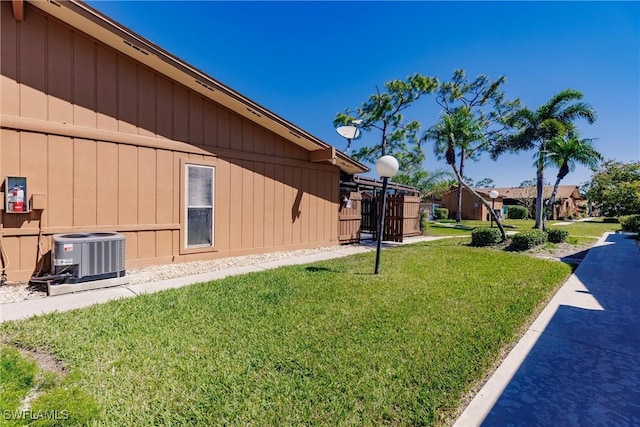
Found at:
<point>561,208</point>
<point>564,208</point>
<point>106,140</point>
<point>472,208</point>
<point>350,217</point>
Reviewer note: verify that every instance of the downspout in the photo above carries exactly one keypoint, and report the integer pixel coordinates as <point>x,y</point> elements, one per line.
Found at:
<point>18,9</point>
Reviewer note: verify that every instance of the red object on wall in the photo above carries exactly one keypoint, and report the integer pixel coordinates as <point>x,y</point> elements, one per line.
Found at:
<point>18,199</point>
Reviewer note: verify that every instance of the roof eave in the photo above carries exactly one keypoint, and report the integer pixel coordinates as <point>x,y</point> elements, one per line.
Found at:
<point>115,35</point>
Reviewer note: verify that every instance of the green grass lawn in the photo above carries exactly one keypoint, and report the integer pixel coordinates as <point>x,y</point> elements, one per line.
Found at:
<point>451,228</point>
<point>326,343</point>
<point>594,228</point>
<point>18,376</point>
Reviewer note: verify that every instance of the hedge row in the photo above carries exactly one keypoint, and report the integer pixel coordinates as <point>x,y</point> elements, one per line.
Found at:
<point>517,212</point>
<point>524,240</point>
<point>528,239</point>
<point>630,223</point>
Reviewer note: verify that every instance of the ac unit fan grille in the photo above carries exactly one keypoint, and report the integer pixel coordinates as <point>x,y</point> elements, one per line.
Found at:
<point>102,257</point>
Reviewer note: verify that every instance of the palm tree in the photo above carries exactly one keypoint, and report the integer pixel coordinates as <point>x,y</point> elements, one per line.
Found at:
<point>468,141</point>
<point>535,130</point>
<point>429,183</point>
<point>453,131</point>
<point>484,100</point>
<point>565,153</point>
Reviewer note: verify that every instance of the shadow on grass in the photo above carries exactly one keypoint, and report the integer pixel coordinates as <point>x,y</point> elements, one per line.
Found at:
<point>572,259</point>
<point>313,269</point>
<point>457,226</point>
<point>510,247</point>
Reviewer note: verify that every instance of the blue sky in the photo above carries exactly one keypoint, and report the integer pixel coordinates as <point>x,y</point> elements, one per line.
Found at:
<point>306,61</point>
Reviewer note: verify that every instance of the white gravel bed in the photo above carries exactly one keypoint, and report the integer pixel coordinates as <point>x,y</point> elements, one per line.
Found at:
<point>19,292</point>
<point>22,291</point>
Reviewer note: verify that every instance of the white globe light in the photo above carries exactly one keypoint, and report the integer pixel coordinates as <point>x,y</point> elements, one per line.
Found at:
<point>493,194</point>
<point>387,166</point>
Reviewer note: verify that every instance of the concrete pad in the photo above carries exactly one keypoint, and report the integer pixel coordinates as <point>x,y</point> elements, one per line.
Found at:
<point>67,288</point>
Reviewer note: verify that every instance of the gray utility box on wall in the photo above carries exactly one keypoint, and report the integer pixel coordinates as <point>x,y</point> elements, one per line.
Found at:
<point>89,256</point>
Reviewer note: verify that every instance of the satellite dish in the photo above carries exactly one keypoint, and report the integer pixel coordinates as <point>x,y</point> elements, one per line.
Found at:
<point>348,132</point>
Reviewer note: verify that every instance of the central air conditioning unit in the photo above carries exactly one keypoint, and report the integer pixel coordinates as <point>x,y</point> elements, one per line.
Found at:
<point>87,261</point>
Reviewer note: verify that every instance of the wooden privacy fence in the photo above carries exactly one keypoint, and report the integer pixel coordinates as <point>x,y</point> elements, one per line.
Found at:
<point>402,217</point>
<point>350,218</point>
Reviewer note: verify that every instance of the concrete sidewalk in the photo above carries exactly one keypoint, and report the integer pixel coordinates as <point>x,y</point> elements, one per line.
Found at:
<point>28,308</point>
<point>578,364</point>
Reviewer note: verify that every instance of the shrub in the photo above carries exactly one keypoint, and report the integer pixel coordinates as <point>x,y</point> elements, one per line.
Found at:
<point>441,213</point>
<point>528,239</point>
<point>517,212</point>
<point>423,221</point>
<point>557,235</point>
<point>610,220</point>
<point>485,236</point>
<point>630,223</point>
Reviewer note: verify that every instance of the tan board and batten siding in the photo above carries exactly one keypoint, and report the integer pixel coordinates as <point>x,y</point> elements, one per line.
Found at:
<point>105,139</point>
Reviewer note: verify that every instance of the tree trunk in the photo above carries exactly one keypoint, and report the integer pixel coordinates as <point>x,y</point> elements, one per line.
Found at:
<point>459,202</point>
<point>564,170</point>
<point>483,201</point>
<point>540,192</point>
<point>552,199</point>
<point>459,213</point>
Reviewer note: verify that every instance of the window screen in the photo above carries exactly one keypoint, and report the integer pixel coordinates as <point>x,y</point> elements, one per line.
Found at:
<point>199,202</point>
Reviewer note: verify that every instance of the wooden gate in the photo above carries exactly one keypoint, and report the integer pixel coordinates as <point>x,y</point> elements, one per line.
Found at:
<point>402,218</point>
<point>393,219</point>
<point>411,216</point>
<point>369,215</point>
<point>349,218</point>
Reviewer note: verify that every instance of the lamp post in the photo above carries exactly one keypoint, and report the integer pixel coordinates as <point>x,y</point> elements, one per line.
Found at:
<point>493,194</point>
<point>387,167</point>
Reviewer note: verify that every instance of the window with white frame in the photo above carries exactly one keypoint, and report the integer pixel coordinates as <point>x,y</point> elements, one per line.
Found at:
<point>199,206</point>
